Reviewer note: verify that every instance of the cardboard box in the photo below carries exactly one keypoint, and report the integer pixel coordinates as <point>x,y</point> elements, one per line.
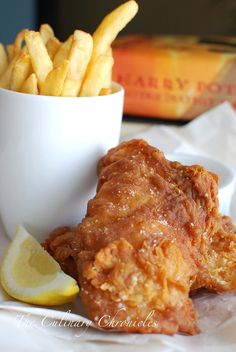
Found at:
<point>175,77</point>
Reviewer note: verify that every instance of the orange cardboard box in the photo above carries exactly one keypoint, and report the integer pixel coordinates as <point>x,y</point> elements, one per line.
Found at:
<point>175,77</point>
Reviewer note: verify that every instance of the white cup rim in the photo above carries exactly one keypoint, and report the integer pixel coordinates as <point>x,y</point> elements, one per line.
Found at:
<point>118,89</point>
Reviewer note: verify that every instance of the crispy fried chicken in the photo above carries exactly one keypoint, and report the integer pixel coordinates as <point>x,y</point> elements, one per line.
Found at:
<point>151,234</point>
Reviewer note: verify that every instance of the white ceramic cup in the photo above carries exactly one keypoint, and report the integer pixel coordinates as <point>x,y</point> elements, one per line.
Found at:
<point>226,176</point>
<point>49,149</point>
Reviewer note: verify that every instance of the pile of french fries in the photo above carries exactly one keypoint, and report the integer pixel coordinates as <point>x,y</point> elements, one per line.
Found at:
<point>38,63</point>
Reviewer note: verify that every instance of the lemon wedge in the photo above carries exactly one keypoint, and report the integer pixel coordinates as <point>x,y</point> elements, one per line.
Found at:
<point>29,274</point>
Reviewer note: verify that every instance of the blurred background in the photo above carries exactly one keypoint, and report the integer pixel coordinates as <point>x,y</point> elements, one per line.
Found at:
<point>204,17</point>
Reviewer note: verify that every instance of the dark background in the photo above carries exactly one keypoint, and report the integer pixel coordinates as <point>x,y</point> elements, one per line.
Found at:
<point>155,16</point>
<point>14,16</point>
<point>217,17</point>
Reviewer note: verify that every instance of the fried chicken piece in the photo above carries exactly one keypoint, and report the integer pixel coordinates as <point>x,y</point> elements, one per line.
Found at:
<point>220,256</point>
<point>145,241</point>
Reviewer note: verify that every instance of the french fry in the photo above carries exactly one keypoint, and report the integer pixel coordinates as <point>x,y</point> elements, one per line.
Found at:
<point>3,59</point>
<point>79,57</point>
<point>94,81</point>
<point>108,80</point>
<point>6,76</point>
<point>46,32</point>
<point>40,59</point>
<point>110,26</point>
<point>53,45</point>
<point>10,52</point>
<point>38,63</point>
<point>30,86</point>
<point>20,71</point>
<point>105,91</point>
<point>54,82</point>
<point>17,46</point>
<point>106,32</point>
<point>63,52</point>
